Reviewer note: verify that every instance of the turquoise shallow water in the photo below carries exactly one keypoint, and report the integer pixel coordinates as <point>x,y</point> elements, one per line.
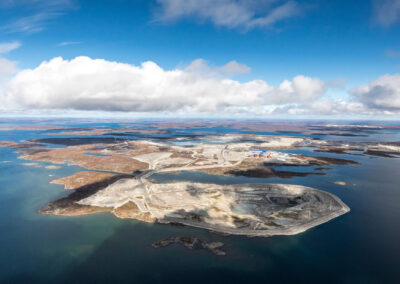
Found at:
<point>359,247</point>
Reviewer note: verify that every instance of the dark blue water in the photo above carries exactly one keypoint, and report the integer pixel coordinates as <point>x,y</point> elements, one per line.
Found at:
<point>359,247</point>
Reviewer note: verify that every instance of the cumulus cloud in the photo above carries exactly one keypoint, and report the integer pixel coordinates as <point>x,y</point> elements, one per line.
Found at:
<point>234,68</point>
<point>324,106</point>
<point>300,89</point>
<point>228,13</point>
<point>202,67</point>
<point>330,106</point>
<point>387,12</point>
<point>95,84</point>
<point>85,84</point>
<point>379,97</point>
<point>380,94</point>
<point>7,67</point>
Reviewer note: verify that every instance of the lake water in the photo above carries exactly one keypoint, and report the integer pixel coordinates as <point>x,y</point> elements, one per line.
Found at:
<point>362,246</point>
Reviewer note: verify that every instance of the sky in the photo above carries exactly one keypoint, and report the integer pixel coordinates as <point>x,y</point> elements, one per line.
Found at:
<point>209,58</point>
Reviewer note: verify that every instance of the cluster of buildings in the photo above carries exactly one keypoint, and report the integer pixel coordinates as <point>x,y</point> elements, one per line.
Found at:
<point>261,154</point>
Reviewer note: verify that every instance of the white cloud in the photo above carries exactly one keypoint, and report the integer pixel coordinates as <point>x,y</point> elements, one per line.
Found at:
<point>85,84</point>
<point>300,89</point>
<point>6,47</point>
<point>380,94</point>
<point>387,12</point>
<point>324,106</point>
<point>35,14</point>
<point>234,68</point>
<point>95,84</point>
<point>329,106</point>
<point>202,67</point>
<point>65,43</point>
<point>377,98</point>
<point>287,10</point>
<point>28,24</point>
<point>228,13</point>
<point>7,67</point>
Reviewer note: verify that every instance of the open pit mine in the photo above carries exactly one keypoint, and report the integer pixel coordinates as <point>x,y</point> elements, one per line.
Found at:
<point>246,209</point>
<point>118,180</point>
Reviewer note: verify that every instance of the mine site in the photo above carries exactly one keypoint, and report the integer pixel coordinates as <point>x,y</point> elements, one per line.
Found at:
<point>117,176</point>
<point>199,141</point>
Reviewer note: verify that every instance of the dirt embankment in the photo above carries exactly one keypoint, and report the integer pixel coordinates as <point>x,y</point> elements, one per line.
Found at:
<point>81,179</point>
<point>67,206</point>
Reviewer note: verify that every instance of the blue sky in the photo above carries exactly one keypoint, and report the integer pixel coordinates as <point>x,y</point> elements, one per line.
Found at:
<point>345,44</point>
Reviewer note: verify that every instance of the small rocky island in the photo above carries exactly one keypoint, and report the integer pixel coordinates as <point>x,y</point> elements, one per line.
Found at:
<point>192,243</point>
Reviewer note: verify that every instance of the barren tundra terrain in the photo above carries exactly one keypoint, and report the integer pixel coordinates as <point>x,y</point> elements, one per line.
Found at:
<point>117,175</point>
